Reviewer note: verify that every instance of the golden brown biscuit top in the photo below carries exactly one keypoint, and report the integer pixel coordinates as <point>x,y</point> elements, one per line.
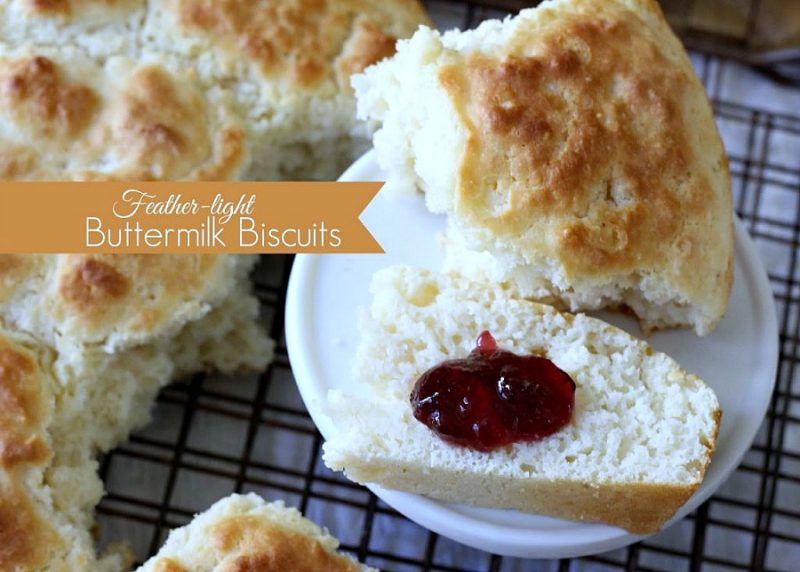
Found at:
<point>168,565</point>
<point>175,89</point>
<point>299,40</point>
<point>91,283</point>
<point>582,141</point>
<point>68,8</point>
<point>251,543</point>
<point>165,130</point>
<point>23,408</point>
<point>37,97</point>
<point>246,542</point>
<point>22,532</point>
<point>106,298</point>
<point>141,122</point>
<point>366,46</point>
<point>134,293</point>
<point>15,268</point>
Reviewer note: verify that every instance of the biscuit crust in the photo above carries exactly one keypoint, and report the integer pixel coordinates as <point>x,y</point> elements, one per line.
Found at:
<point>608,163</point>
<point>242,532</point>
<point>123,121</point>
<point>24,411</point>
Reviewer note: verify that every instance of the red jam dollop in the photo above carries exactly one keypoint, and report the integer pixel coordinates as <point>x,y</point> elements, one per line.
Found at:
<point>493,398</point>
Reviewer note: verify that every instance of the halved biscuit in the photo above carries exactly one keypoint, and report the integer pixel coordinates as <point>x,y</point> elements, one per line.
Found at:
<point>641,436</point>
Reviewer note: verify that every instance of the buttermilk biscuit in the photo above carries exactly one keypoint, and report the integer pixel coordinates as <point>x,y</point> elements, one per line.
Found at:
<point>183,313</point>
<point>58,409</point>
<point>576,155</point>
<point>642,430</point>
<point>285,65</point>
<point>289,65</point>
<point>101,28</point>
<point>114,301</point>
<point>46,494</point>
<point>63,117</point>
<point>67,398</point>
<point>242,532</point>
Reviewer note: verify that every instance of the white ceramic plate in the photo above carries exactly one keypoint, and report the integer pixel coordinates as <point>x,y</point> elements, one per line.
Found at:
<point>738,360</point>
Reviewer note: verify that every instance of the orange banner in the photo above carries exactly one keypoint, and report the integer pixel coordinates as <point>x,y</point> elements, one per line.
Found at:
<point>161,217</point>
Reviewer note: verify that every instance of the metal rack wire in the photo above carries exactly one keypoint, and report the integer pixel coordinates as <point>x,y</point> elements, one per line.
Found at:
<point>213,436</point>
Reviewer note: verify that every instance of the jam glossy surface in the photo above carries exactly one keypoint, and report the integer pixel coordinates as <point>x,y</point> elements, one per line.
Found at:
<point>493,398</point>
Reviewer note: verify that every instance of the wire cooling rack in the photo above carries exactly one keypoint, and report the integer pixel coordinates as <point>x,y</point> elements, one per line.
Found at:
<point>212,436</point>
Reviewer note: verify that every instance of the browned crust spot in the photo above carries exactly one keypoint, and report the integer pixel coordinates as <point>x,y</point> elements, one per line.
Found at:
<point>150,107</point>
<point>22,534</point>
<point>270,35</point>
<point>64,8</point>
<point>231,146</point>
<point>251,543</point>
<point>60,7</point>
<point>16,162</point>
<point>21,409</point>
<point>164,125</point>
<point>92,282</point>
<point>168,565</point>
<point>35,92</point>
<point>158,126</point>
<point>367,45</point>
<point>8,264</point>
<point>296,39</point>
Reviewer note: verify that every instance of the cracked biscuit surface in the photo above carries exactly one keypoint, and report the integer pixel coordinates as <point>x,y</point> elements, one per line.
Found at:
<point>62,117</point>
<point>279,70</point>
<point>575,152</point>
<point>242,532</point>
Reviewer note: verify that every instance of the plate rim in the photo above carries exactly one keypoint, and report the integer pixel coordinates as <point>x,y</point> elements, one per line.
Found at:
<point>438,516</point>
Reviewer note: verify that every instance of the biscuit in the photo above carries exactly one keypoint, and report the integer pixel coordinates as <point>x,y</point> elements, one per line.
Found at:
<point>568,168</point>
<point>242,532</point>
<point>642,431</point>
<point>63,117</point>
<point>282,66</point>
<point>67,397</point>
